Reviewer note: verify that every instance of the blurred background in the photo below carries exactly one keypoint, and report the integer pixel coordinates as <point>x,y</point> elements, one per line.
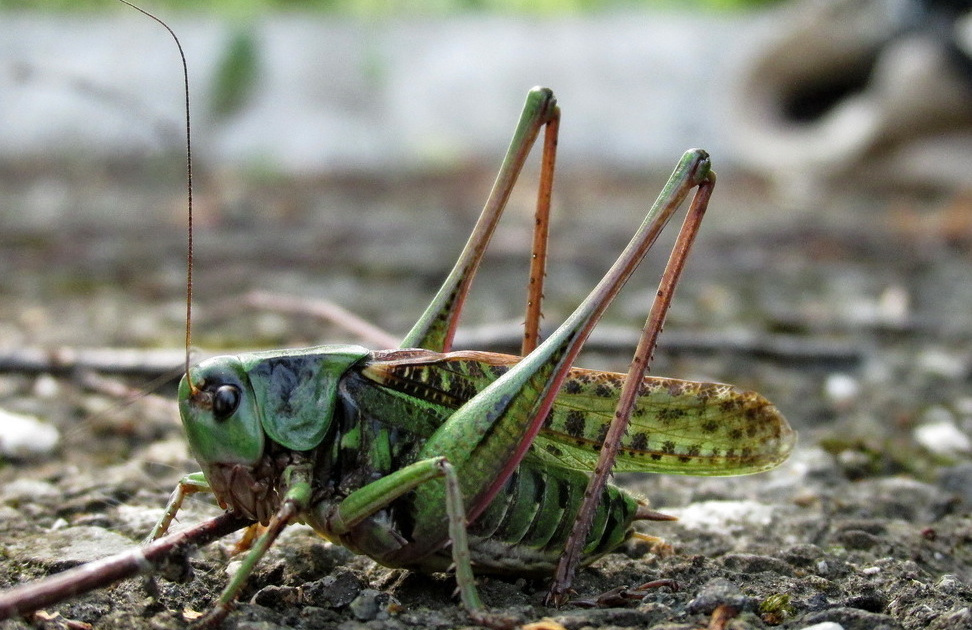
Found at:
<point>343,151</point>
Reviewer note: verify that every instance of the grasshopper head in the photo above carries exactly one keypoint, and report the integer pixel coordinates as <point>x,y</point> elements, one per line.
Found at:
<point>234,409</point>
<point>220,414</point>
<point>222,423</point>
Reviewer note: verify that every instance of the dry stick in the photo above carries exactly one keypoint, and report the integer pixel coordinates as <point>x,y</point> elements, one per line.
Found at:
<point>629,392</point>
<point>66,361</point>
<point>126,395</point>
<point>323,309</point>
<point>788,349</point>
<point>27,598</point>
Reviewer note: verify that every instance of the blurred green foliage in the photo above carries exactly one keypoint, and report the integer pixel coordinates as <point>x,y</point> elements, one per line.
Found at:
<point>236,74</point>
<point>378,8</point>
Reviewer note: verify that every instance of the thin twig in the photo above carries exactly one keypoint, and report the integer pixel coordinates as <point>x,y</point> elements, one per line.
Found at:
<point>64,361</point>
<point>788,349</point>
<point>126,394</point>
<point>33,596</point>
<point>325,310</point>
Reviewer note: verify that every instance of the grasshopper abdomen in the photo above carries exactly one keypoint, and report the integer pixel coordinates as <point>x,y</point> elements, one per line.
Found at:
<point>525,528</point>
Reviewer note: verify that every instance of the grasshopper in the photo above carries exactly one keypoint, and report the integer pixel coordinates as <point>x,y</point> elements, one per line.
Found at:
<point>424,458</point>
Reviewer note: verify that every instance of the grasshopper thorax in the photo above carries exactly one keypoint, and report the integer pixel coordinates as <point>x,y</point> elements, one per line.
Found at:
<point>244,415</point>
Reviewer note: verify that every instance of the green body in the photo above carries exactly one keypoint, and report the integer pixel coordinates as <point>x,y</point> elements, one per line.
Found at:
<point>395,453</point>
<point>371,414</point>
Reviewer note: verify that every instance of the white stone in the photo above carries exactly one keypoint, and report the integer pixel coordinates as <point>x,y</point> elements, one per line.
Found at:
<point>26,436</point>
<point>841,389</point>
<point>942,437</point>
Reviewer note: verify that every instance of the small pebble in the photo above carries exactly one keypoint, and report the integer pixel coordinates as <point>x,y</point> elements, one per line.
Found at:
<point>942,437</point>
<point>720,592</point>
<point>371,604</point>
<point>332,591</point>
<point>841,389</point>
<point>949,583</point>
<point>24,437</point>
<point>894,305</point>
<point>47,387</point>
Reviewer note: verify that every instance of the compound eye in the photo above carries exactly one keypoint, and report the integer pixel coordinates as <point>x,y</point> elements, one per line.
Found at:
<point>226,399</point>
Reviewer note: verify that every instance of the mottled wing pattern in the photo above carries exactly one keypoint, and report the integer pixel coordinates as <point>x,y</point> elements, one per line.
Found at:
<point>677,427</point>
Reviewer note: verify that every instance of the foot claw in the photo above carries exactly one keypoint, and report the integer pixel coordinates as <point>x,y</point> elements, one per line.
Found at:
<point>557,597</point>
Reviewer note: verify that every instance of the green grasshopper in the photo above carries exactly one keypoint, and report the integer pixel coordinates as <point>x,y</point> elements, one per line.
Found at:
<point>425,458</point>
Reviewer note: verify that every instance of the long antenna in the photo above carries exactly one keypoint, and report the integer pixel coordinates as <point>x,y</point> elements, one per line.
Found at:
<point>185,81</point>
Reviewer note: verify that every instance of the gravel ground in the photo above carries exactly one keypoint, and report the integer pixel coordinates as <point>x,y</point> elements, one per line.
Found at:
<point>852,316</point>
